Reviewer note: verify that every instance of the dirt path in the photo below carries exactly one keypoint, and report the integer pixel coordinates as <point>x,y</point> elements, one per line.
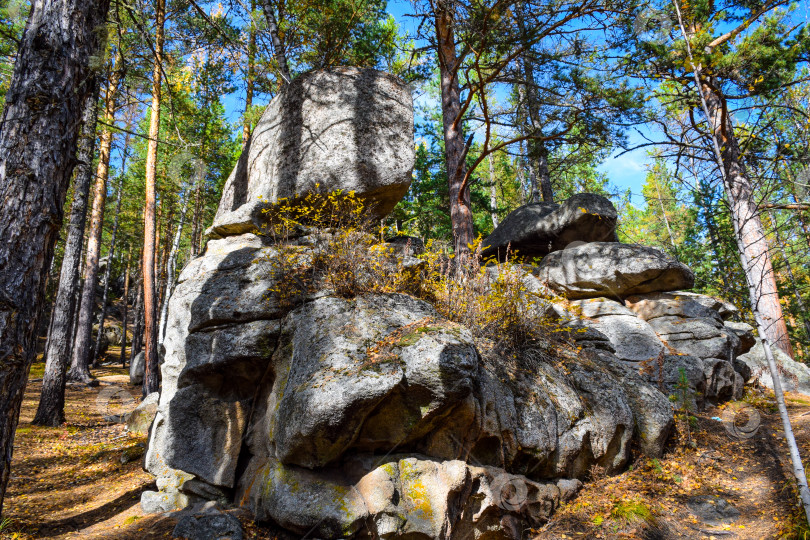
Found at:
<point>71,481</point>
<point>667,498</point>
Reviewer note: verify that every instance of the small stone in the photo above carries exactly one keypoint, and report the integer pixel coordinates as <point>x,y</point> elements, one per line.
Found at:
<point>713,510</point>
<point>141,418</point>
<point>209,525</point>
<point>156,502</point>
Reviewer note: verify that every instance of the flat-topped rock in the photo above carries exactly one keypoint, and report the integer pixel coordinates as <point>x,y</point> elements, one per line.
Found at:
<point>537,229</point>
<point>344,129</point>
<point>612,270</point>
<point>632,339</point>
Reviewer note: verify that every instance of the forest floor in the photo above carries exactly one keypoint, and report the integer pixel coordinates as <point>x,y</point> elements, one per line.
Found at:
<point>84,479</point>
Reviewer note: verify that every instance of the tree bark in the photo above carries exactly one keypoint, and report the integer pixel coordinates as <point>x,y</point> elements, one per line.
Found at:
<point>493,199</point>
<point>461,216</point>
<point>137,331</point>
<point>108,270</point>
<point>538,153</point>
<point>51,408</point>
<point>170,270</point>
<point>123,356</point>
<point>735,180</point>
<point>38,132</point>
<point>745,214</point>
<point>251,78</point>
<point>151,382</point>
<point>83,347</point>
<point>278,45</point>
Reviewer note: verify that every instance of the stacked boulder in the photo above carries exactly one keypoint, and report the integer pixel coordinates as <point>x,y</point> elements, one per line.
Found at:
<point>373,416</point>
<point>630,297</point>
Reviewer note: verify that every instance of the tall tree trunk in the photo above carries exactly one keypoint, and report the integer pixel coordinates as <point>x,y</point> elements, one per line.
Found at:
<point>538,153</point>
<point>108,270</point>
<point>38,132</point>
<point>196,222</point>
<point>251,78</point>
<point>151,382</point>
<point>520,173</point>
<point>493,199</point>
<point>789,269</point>
<point>740,195</point>
<point>137,331</point>
<point>170,270</point>
<point>745,215</point>
<point>51,408</point>
<point>278,45</point>
<point>123,356</point>
<point>162,267</point>
<point>83,347</point>
<point>454,147</point>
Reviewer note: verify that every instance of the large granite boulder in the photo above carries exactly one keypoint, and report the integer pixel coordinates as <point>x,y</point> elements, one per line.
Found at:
<point>794,376</point>
<point>612,270</point>
<point>633,340</point>
<point>374,415</point>
<point>537,229</point>
<point>692,325</point>
<point>341,128</point>
<point>688,326</point>
<point>399,496</point>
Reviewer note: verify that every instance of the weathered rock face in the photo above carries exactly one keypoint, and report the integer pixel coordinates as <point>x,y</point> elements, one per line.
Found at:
<point>632,338</point>
<point>539,228</point>
<point>141,418</point>
<point>373,416</point>
<point>612,270</point>
<point>137,368</point>
<point>341,128</point>
<point>274,408</point>
<point>686,325</point>
<point>794,376</point>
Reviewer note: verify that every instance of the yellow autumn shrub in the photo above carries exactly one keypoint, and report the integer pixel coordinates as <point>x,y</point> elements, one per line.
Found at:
<point>330,241</point>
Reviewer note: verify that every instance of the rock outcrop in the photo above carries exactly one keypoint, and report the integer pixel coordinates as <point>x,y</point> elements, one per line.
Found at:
<point>537,229</point>
<point>612,270</point>
<point>342,128</point>
<point>366,405</point>
<point>371,415</point>
<point>753,365</point>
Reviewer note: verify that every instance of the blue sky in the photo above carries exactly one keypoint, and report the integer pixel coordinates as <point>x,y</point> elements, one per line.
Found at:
<point>625,172</point>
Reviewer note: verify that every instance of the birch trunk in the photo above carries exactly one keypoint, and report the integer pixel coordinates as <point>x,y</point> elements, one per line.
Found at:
<point>251,77</point>
<point>278,45</point>
<point>735,181</point>
<point>38,132</point>
<point>493,200</point>
<point>170,271</point>
<point>137,331</point>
